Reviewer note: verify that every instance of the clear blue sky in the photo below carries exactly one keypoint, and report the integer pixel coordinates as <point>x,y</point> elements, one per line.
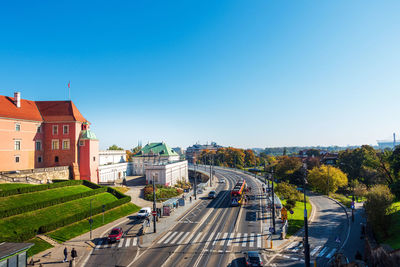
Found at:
<point>241,73</point>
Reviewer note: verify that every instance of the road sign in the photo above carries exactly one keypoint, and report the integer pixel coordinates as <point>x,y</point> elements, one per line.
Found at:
<point>154,213</point>
<point>234,201</point>
<point>291,212</point>
<point>284,214</point>
<point>271,229</point>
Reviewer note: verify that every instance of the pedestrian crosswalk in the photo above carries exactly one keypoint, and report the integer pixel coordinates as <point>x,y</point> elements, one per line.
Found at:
<point>221,239</point>
<point>214,238</point>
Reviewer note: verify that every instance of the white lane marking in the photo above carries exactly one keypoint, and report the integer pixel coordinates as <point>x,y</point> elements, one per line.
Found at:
<point>170,237</point>
<point>237,240</point>
<point>164,237</point>
<point>197,237</point>
<point>259,241</point>
<point>216,238</point>
<point>244,240</point>
<point>177,237</point>
<point>285,256</point>
<point>183,238</point>
<point>121,242</point>
<point>128,240</point>
<point>330,254</point>
<point>134,242</point>
<point>99,244</point>
<point>230,237</point>
<point>322,252</point>
<point>222,242</point>
<point>293,244</point>
<point>252,236</point>
<point>315,250</point>
<point>190,237</point>
<point>210,237</point>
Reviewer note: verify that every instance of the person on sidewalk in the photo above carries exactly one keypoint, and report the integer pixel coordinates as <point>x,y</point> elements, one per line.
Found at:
<point>190,199</point>
<point>65,254</point>
<point>73,254</point>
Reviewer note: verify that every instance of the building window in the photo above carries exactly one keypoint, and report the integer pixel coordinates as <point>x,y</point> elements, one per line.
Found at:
<point>55,129</point>
<point>39,159</point>
<point>39,129</point>
<point>55,145</point>
<point>17,145</point>
<point>65,129</point>
<point>18,127</point>
<point>81,143</point>
<point>65,144</point>
<point>56,159</point>
<point>94,158</point>
<point>16,159</point>
<point>38,145</point>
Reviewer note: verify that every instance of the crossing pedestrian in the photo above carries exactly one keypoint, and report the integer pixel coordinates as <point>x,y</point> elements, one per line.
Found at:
<point>74,254</point>
<point>190,199</point>
<point>65,254</point>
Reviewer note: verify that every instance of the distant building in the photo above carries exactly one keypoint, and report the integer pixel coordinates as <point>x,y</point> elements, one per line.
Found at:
<point>167,173</point>
<point>40,134</point>
<point>193,152</point>
<point>150,154</point>
<point>113,166</point>
<point>391,144</point>
<point>329,158</point>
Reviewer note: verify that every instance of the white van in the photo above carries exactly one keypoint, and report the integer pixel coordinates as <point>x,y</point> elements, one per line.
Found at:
<point>144,213</point>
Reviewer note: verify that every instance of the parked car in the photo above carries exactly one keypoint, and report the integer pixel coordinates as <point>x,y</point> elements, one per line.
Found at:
<point>144,213</point>
<point>115,235</point>
<point>222,180</point>
<point>253,258</point>
<point>212,194</point>
<point>199,191</point>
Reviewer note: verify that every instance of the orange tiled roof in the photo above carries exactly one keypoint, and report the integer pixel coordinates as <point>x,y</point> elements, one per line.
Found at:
<point>27,111</point>
<point>40,110</point>
<point>59,111</point>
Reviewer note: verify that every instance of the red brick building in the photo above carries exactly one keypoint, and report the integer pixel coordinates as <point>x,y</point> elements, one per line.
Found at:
<point>37,134</point>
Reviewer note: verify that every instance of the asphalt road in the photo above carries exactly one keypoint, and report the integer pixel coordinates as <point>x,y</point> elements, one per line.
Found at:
<point>213,233</point>
<point>327,233</point>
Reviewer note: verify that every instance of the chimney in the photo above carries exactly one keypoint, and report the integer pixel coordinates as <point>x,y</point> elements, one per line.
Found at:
<point>17,99</point>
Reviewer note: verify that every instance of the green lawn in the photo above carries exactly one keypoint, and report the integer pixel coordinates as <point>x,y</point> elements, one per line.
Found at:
<point>342,199</point>
<point>70,231</point>
<point>32,221</point>
<point>16,201</point>
<point>9,186</point>
<point>40,245</point>
<point>296,220</point>
<point>394,238</point>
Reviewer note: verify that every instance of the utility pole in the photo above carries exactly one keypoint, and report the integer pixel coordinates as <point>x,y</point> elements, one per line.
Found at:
<point>306,245</point>
<point>195,183</point>
<point>273,201</point>
<point>154,205</point>
<point>90,220</point>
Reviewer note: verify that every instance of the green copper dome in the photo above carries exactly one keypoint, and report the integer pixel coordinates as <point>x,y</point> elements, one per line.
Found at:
<point>88,135</point>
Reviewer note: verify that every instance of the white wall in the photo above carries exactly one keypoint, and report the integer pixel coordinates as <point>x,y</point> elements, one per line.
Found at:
<point>167,174</point>
<point>112,156</point>
<point>113,172</point>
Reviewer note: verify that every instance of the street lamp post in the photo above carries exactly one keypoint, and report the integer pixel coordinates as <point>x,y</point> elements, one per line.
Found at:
<point>306,245</point>
<point>195,182</point>
<point>154,205</point>
<point>210,171</point>
<point>90,220</point>
<point>273,202</point>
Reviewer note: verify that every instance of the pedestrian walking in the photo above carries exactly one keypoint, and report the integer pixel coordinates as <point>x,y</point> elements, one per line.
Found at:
<point>190,199</point>
<point>148,222</point>
<point>65,254</point>
<point>73,254</point>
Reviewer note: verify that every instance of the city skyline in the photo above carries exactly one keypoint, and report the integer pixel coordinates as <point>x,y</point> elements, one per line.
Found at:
<point>246,75</point>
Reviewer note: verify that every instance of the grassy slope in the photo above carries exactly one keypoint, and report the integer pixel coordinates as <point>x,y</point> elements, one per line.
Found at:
<point>40,245</point>
<point>9,186</point>
<point>70,231</point>
<point>15,201</point>
<point>394,238</point>
<point>34,219</point>
<point>296,220</point>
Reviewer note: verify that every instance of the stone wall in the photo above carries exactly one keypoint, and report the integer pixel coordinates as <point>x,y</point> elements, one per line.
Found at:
<point>36,176</point>
<point>378,255</point>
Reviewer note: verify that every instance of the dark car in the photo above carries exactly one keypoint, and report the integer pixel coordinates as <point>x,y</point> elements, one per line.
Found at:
<point>253,258</point>
<point>115,234</point>
<point>212,194</point>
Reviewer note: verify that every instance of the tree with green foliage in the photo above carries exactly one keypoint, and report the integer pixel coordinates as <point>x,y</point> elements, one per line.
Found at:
<point>326,179</point>
<point>115,147</point>
<point>286,166</point>
<point>378,206</point>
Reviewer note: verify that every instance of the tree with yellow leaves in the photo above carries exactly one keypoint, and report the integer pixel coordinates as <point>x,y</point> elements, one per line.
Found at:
<point>326,179</point>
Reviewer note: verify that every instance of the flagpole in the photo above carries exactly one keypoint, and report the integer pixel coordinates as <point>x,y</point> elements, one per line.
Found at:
<point>69,90</point>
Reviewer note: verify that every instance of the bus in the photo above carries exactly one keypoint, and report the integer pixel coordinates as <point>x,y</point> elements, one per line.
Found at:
<point>237,193</point>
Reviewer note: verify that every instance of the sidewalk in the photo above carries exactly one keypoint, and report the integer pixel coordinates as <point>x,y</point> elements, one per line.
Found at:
<point>84,245</point>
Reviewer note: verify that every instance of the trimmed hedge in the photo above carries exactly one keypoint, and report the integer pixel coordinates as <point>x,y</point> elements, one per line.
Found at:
<point>48,203</point>
<point>41,187</point>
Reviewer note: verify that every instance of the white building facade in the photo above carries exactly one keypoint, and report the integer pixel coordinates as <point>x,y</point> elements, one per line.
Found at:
<point>113,166</point>
<point>167,173</point>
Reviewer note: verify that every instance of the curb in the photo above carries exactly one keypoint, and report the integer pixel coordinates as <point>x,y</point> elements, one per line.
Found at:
<point>348,220</point>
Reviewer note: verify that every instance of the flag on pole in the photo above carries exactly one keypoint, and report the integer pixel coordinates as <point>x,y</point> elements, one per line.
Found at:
<point>69,84</point>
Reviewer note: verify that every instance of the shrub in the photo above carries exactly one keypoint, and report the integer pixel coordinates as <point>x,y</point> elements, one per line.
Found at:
<point>30,189</point>
<point>288,191</point>
<point>290,204</point>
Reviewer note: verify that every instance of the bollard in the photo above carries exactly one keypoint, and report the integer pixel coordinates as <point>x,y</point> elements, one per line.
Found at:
<point>272,245</point>
<point>315,263</point>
